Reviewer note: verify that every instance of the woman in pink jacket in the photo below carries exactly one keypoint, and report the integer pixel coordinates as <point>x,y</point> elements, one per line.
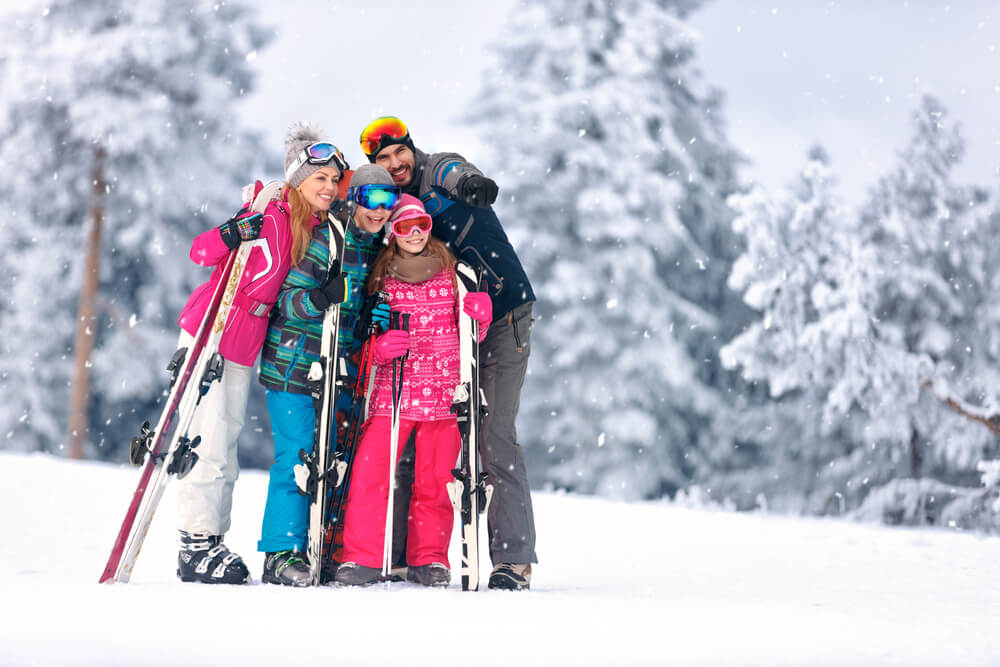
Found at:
<point>418,272</point>
<point>313,168</point>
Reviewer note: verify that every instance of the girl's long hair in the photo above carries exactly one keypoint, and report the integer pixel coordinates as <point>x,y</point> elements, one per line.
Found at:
<point>381,265</point>
<point>300,222</point>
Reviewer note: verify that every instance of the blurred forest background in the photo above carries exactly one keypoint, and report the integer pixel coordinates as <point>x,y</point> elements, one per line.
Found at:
<point>698,334</point>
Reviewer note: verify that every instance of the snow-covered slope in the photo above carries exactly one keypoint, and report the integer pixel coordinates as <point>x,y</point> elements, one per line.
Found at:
<point>625,584</point>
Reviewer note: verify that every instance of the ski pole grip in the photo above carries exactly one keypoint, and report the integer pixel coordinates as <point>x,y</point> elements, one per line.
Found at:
<point>398,320</point>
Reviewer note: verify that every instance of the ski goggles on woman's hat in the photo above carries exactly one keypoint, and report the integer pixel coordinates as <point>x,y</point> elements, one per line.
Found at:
<point>373,195</point>
<point>321,153</point>
<point>382,132</point>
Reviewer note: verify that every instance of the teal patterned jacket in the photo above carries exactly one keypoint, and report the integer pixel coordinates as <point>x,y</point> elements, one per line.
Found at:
<point>296,325</point>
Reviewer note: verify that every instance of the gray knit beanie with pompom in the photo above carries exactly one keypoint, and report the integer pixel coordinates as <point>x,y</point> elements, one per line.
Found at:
<point>300,136</point>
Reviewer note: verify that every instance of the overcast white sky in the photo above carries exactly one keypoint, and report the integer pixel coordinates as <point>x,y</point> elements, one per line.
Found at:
<point>845,74</point>
<point>842,73</point>
<point>421,61</point>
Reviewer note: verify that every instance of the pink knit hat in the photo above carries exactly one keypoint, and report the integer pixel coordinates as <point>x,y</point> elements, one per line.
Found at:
<point>408,208</point>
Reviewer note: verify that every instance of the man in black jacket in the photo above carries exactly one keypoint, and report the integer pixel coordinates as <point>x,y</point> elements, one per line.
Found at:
<point>459,198</point>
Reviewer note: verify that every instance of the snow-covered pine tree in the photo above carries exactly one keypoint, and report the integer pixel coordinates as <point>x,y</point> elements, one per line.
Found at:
<point>152,85</point>
<point>615,173</point>
<point>940,240</point>
<point>871,318</point>
<point>815,345</point>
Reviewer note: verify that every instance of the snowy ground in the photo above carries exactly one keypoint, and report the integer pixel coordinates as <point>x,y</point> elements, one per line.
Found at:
<point>618,584</point>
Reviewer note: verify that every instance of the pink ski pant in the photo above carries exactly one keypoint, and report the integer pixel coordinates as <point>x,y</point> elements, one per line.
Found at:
<point>431,516</point>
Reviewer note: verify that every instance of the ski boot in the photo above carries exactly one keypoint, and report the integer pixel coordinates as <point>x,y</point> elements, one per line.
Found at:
<point>287,568</point>
<point>434,574</point>
<point>352,574</point>
<point>205,559</point>
<point>511,576</point>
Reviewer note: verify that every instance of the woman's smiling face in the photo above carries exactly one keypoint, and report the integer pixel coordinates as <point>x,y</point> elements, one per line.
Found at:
<point>320,188</point>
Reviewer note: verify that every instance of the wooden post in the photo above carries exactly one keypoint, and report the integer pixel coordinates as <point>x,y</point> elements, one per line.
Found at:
<point>86,323</point>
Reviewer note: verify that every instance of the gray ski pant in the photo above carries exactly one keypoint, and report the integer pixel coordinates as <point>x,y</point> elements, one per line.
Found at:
<point>503,363</point>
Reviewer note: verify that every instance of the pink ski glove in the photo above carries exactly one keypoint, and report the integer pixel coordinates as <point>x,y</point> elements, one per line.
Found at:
<point>478,306</point>
<point>393,343</point>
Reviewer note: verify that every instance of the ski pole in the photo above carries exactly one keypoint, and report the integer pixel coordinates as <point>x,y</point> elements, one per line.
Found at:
<point>397,320</point>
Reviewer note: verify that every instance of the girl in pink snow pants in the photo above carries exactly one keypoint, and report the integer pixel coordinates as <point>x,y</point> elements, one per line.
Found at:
<point>418,272</point>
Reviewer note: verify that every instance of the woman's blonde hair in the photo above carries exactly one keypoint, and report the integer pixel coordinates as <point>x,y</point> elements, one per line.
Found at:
<point>381,265</point>
<point>299,221</point>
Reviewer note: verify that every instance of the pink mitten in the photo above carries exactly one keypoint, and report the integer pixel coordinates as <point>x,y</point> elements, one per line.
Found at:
<point>393,343</point>
<point>478,306</point>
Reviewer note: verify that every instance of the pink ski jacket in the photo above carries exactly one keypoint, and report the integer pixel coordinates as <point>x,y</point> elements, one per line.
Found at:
<point>267,266</point>
<point>431,369</point>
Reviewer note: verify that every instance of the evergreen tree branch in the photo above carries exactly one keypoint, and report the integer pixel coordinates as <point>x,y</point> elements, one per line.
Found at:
<point>992,422</point>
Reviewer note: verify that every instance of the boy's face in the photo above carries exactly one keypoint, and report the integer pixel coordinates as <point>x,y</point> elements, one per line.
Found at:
<point>369,220</point>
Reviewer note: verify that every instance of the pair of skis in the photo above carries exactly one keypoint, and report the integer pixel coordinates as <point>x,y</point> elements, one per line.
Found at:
<point>469,492</point>
<point>321,472</point>
<point>193,372</point>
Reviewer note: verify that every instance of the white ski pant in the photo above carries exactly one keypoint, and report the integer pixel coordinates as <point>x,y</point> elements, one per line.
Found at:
<point>205,495</point>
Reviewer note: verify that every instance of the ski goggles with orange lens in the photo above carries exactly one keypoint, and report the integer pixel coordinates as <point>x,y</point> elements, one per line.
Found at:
<point>372,196</point>
<point>404,228</point>
<point>387,126</point>
<point>321,153</point>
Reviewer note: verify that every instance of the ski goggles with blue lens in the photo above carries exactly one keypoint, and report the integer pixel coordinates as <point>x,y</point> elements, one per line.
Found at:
<point>372,196</point>
<point>320,153</point>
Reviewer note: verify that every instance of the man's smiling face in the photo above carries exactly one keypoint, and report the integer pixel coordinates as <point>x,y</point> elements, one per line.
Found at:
<point>399,161</point>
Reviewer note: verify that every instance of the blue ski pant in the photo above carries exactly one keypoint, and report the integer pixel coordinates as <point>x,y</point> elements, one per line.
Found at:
<point>293,424</point>
<point>286,515</point>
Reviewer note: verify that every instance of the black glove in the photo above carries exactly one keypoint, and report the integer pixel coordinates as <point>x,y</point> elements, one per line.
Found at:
<point>244,226</point>
<point>477,190</point>
<point>335,289</point>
